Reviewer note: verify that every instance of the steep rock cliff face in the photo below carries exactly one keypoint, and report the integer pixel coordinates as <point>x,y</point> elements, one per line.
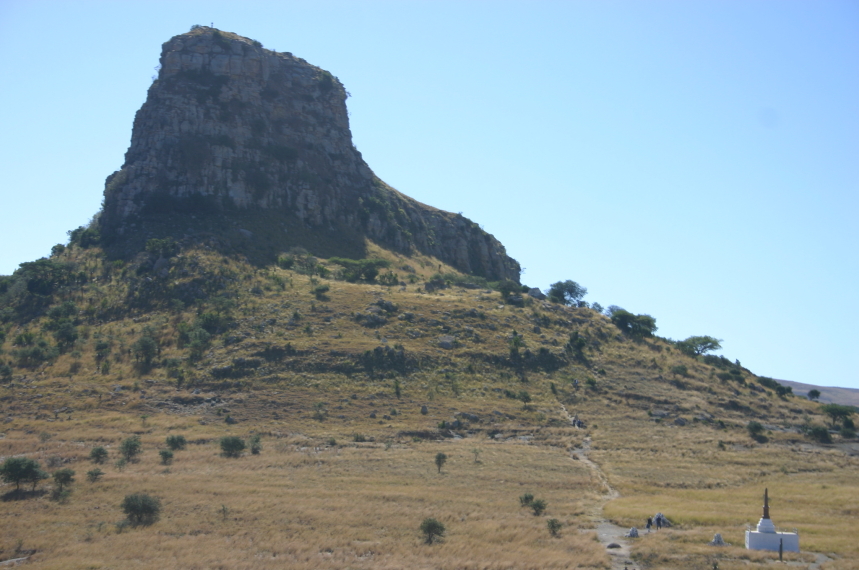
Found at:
<point>231,127</point>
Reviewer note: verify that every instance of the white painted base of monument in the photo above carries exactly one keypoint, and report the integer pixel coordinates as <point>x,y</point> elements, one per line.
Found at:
<point>766,538</point>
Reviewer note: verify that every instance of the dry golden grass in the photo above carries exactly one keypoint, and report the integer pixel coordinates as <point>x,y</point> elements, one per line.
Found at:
<point>359,506</point>
<point>302,504</point>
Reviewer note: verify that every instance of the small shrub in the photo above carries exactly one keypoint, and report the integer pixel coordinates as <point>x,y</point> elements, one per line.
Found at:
<point>554,526</point>
<point>120,464</point>
<point>432,529</point>
<point>320,292</point>
<point>141,508</point>
<point>93,475</point>
<point>232,446</point>
<point>63,477</point>
<point>61,495</point>
<point>166,456</point>
<point>525,500</point>
<point>538,506</point>
<point>680,370</point>
<point>176,442</point>
<point>440,460</point>
<point>820,434</point>
<point>754,428</point>
<point>256,445</point>
<point>320,413</point>
<point>130,448</point>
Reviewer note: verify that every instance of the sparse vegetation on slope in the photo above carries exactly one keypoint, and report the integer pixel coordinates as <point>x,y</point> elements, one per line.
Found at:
<point>241,353</point>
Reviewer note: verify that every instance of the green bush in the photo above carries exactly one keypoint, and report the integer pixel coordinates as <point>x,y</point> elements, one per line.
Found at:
<point>432,529</point>
<point>320,292</point>
<point>635,326</point>
<point>176,442</point>
<point>525,500</point>
<point>98,455</point>
<point>566,292</point>
<point>5,372</point>
<point>680,370</point>
<point>63,477</point>
<point>232,446</point>
<point>22,469</point>
<point>538,506</point>
<point>166,456</point>
<point>819,434</point>
<point>165,247</point>
<point>554,526</point>
<point>698,345</point>
<point>33,356</point>
<point>754,428</point>
<point>145,349</point>
<point>93,475</point>
<point>255,444</point>
<point>359,269</point>
<point>389,279</point>
<point>440,460</point>
<point>130,448</point>
<point>141,508</point>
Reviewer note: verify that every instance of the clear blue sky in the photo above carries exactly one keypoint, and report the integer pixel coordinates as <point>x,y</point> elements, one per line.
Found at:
<point>696,161</point>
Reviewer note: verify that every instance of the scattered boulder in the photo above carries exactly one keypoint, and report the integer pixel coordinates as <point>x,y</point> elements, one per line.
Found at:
<point>386,305</point>
<point>679,421</point>
<point>424,410</point>
<point>717,540</point>
<point>613,545</point>
<point>473,418</point>
<point>633,533</point>
<point>446,342</point>
<point>371,320</point>
<point>536,294</point>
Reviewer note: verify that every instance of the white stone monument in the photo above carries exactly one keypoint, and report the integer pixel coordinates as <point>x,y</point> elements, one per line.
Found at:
<point>766,537</point>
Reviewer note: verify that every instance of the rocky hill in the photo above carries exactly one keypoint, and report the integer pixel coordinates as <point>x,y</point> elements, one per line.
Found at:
<point>377,380</point>
<point>259,142</point>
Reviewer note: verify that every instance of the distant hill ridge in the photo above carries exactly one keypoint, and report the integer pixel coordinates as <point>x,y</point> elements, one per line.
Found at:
<point>828,394</point>
<point>249,136</point>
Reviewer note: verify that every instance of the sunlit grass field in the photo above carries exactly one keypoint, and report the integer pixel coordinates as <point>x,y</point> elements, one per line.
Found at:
<point>303,503</point>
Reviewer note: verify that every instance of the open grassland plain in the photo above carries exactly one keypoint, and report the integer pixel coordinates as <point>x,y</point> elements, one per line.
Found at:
<point>307,503</point>
<point>353,389</point>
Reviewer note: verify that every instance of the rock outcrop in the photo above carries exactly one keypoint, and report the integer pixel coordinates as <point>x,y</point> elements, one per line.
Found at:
<point>230,128</point>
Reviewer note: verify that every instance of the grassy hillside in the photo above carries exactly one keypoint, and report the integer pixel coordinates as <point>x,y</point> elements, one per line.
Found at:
<point>354,387</point>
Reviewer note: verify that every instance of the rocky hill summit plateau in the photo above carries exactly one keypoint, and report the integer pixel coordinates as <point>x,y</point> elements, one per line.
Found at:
<point>258,142</point>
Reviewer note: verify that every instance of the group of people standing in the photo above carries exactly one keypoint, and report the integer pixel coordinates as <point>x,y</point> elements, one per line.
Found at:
<point>659,520</point>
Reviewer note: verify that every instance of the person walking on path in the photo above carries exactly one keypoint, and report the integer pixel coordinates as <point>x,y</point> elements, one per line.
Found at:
<point>649,523</point>
<point>658,522</point>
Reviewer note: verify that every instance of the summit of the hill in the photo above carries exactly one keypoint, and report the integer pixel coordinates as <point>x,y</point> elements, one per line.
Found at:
<point>260,140</point>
